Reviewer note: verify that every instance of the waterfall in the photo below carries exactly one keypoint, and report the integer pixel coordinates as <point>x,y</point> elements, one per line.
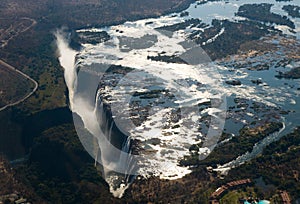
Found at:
<point>97,119</point>
<point>67,61</point>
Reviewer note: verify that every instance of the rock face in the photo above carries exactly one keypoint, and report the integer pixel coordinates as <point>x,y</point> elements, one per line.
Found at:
<point>234,82</point>
<point>257,81</point>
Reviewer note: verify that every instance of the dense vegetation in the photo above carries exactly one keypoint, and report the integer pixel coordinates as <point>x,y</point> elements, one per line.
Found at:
<point>228,42</point>
<point>292,10</point>
<point>14,87</point>
<point>282,159</point>
<point>181,26</point>
<point>60,170</point>
<point>234,36</point>
<point>261,12</point>
<point>294,73</point>
<point>235,147</point>
<point>75,14</point>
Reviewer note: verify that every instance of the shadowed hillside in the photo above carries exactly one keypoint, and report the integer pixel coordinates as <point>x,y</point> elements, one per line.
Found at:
<point>77,13</point>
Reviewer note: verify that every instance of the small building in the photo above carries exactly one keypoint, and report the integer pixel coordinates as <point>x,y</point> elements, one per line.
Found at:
<point>285,197</point>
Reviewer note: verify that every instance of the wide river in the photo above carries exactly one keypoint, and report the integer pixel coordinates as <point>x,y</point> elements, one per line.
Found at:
<point>165,140</point>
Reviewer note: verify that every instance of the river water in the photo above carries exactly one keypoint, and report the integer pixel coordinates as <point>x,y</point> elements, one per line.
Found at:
<point>163,140</point>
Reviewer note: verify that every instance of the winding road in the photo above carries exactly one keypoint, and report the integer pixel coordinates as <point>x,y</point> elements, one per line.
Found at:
<point>36,85</point>
<point>13,29</point>
<point>18,71</point>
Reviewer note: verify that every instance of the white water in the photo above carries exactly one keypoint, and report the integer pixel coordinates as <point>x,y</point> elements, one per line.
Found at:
<point>67,61</point>
<point>88,115</point>
<point>162,163</point>
<point>163,160</point>
<point>226,10</point>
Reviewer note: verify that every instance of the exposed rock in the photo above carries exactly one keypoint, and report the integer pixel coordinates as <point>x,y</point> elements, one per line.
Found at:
<point>234,82</point>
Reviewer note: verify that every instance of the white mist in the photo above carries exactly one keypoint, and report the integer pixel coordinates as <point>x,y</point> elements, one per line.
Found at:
<point>78,105</point>
<point>67,61</point>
